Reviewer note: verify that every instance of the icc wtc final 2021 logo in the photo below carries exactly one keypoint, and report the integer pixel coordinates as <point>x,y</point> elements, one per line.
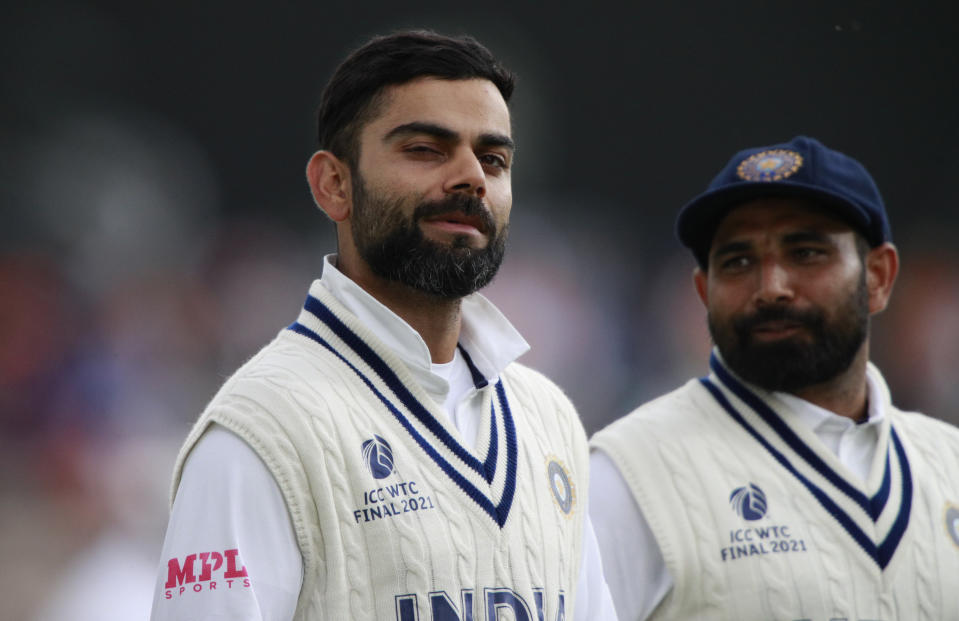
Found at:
<point>379,457</point>
<point>757,538</point>
<point>392,498</point>
<point>749,502</point>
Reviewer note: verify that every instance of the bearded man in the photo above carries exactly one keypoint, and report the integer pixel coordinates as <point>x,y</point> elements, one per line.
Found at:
<point>385,457</point>
<point>785,484</point>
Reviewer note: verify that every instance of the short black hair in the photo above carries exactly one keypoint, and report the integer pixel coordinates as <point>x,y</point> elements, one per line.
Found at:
<point>351,96</point>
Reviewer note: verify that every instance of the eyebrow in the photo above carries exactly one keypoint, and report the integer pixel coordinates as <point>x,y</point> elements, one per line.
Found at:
<point>731,247</point>
<point>799,237</point>
<point>488,139</point>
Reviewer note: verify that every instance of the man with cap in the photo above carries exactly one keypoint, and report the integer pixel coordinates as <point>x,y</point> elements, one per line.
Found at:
<point>785,484</point>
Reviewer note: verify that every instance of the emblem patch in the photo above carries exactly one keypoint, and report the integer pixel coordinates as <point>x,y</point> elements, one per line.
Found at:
<point>564,492</point>
<point>951,519</point>
<point>379,457</point>
<point>772,165</point>
<point>748,502</point>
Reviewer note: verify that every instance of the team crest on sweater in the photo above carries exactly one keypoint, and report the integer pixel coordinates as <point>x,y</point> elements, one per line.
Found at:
<point>951,522</point>
<point>564,491</point>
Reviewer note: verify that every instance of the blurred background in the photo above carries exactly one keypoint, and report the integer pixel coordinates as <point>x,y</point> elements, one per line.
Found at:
<point>157,228</point>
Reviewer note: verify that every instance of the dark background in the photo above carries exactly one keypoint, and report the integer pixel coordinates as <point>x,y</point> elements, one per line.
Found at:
<point>158,229</point>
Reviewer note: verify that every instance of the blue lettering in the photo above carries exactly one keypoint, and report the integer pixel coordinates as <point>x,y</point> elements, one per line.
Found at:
<point>444,610</point>
<point>539,599</point>
<point>499,599</point>
<point>406,608</point>
<point>501,604</point>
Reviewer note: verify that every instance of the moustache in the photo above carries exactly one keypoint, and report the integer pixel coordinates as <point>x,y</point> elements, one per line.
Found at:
<point>808,318</point>
<point>468,205</point>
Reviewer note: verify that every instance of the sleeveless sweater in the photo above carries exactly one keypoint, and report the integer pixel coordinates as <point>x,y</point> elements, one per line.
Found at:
<point>394,518</point>
<point>757,519</point>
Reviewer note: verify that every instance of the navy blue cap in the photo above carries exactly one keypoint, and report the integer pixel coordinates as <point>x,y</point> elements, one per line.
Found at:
<point>802,167</point>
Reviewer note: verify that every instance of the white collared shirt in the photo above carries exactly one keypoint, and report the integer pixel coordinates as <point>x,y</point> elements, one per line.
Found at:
<point>639,579</point>
<point>224,482</point>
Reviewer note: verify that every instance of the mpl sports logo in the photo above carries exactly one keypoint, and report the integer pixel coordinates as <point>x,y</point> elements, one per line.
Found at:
<point>216,572</point>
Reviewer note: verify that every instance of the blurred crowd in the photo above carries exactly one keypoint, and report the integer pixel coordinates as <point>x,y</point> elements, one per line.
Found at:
<point>128,297</point>
<point>129,291</point>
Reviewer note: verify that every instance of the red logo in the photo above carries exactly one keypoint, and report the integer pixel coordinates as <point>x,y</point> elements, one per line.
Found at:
<point>184,576</point>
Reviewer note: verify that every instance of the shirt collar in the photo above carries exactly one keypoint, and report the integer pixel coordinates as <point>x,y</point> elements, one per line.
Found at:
<point>816,417</point>
<point>487,336</point>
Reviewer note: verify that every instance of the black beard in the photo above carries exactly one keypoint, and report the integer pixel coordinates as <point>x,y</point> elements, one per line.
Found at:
<point>396,250</point>
<point>792,364</point>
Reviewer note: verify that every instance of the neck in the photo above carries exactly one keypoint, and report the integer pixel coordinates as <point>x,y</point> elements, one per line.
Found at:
<point>436,320</point>
<point>844,394</point>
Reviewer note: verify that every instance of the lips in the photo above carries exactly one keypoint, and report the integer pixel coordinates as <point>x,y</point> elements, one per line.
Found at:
<point>776,326</point>
<point>457,221</point>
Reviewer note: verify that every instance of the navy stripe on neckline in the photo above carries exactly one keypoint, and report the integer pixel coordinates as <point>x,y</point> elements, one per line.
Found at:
<point>385,373</point>
<point>872,506</point>
<point>499,512</point>
<point>478,380</point>
<point>888,547</point>
<point>489,466</point>
<point>881,554</point>
<point>512,450</point>
<point>844,520</point>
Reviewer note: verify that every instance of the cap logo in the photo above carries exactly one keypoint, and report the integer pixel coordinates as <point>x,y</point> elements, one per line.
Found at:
<point>772,165</point>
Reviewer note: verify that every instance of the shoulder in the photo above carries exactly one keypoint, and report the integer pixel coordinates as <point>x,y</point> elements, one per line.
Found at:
<point>529,383</point>
<point>922,425</point>
<point>543,403</point>
<point>666,413</point>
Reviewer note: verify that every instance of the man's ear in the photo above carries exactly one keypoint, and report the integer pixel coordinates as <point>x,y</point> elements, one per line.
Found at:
<point>699,281</point>
<point>881,265</point>
<point>330,183</point>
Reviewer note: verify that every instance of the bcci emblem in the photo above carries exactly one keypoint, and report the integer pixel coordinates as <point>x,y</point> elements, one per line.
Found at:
<point>748,502</point>
<point>952,523</point>
<point>773,165</point>
<point>564,492</point>
<point>379,457</point>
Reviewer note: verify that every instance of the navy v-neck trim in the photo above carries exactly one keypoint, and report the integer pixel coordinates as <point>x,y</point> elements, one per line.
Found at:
<point>883,552</point>
<point>486,469</point>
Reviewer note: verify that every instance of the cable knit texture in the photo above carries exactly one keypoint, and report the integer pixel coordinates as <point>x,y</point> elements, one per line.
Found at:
<point>788,550</point>
<point>372,547</point>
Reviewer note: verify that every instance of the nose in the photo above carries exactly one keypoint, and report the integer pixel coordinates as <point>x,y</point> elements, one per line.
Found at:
<point>774,286</point>
<point>466,175</point>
